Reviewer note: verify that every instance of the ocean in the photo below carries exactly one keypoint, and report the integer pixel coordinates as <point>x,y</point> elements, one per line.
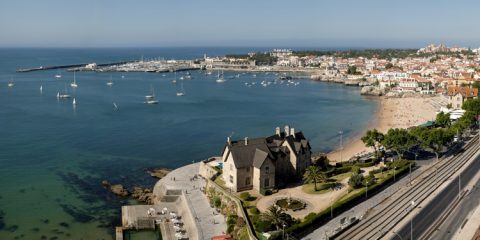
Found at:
<point>53,156</point>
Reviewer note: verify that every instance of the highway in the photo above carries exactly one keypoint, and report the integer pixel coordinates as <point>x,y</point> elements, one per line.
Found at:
<point>381,221</point>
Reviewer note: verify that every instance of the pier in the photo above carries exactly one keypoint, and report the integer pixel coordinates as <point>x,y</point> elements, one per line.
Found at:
<point>42,68</point>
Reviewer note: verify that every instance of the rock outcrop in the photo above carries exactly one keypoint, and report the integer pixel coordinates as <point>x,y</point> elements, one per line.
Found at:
<point>119,190</point>
<point>158,172</point>
<point>371,90</point>
<point>143,194</point>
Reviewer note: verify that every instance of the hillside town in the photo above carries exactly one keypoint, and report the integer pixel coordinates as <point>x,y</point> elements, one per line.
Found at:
<point>434,70</point>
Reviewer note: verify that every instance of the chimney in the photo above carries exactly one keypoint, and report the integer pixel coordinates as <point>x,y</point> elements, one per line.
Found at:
<point>277,131</point>
<point>246,141</point>
<point>292,132</point>
<point>229,141</point>
<point>287,130</point>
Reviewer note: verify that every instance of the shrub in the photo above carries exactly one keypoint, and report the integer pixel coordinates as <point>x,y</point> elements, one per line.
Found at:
<point>263,226</point>
<point>232,219</point>
<point>265,192</point>
<point>364,165</point>
<point>254,211</point>
<point>356,169</point>
<point>245,196</point>
<point>356,180</point>
<point>217,202</point>
<point>230,228</point>
<point>338,170</point>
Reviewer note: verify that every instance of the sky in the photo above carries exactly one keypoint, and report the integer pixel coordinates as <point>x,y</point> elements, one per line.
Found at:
<point>260,23</point>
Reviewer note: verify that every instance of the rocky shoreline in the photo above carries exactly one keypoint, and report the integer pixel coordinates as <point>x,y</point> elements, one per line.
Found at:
<point>142,194</point>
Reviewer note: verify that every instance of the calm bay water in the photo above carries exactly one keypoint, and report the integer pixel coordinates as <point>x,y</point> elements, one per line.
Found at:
<point>53,156</point>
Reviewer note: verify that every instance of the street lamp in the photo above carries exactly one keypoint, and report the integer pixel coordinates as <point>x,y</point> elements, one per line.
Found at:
<point>366,190</point>
<point>410,175</point>
<point>411,221</point>
<point>283,231</point>
<point>459,185</point>
<point>394,173</point>
<point>341,145</point>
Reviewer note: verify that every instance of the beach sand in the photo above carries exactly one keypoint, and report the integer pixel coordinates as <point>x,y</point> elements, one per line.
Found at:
<point>392,113</point>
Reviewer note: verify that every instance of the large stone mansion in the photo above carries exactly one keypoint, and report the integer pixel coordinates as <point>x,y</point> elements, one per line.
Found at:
<point>267,162</point>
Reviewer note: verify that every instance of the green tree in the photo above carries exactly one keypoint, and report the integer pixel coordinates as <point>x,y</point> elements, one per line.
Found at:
<point>442,119</point>
<point>388,65</point>
<point>472,105</point>
<point>313,174</point>
<point>356,180</point>
<point>276,216</point>
<point>399,140</point>
<point>436,139</point>
<point>373,138</point>
<point>352,69</point>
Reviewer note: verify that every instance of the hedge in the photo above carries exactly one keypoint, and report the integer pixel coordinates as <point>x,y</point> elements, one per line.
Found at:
<point>336,171</point>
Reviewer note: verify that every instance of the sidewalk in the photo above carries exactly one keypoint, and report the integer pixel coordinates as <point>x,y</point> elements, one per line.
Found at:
<point>208,223</point>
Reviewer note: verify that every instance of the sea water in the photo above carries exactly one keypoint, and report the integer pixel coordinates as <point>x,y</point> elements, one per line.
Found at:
<point>53,155</point>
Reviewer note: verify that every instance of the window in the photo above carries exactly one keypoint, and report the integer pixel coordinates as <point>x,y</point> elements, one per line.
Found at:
<point>247,181</point>
<point>231,167</point>
<point>231,178</point>
<point>266,182</point>
<point>267,169</point>
<point>248,169</point>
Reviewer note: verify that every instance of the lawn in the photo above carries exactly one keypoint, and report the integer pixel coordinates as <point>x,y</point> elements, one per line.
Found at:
<point>341,176</point>
<point>322,188</point>
<point>351,193</point>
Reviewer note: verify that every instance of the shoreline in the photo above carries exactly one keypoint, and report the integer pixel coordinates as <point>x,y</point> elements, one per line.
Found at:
<point>390,113</point>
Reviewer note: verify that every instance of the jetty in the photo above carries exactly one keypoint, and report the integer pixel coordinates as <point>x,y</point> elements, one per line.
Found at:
<point>41,68</point>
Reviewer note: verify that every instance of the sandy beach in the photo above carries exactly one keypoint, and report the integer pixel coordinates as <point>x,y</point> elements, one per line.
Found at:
<point>392,113</point>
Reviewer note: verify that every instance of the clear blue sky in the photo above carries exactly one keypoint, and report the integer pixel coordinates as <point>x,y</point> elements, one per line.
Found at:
<point>295,23</point>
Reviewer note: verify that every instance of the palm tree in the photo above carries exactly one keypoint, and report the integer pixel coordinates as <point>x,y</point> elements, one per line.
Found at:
<point>276,216</point>
<point>313,174</point>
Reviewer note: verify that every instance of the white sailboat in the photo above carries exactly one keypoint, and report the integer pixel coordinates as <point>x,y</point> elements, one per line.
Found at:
<point>58,75</point>
<point>11,83</point>
<point>182,91</point>
<point>220,78</point>
<point>110,82</point>
<point>115,107</point>
<point>151,98</point>
<point>74,83</point>
<point>74,102</point>
<point>175,79</point>
<point>65,94</point>
<point>41,88</point>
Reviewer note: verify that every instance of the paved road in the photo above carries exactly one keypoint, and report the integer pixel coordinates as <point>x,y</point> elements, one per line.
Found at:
<point>424,219</point>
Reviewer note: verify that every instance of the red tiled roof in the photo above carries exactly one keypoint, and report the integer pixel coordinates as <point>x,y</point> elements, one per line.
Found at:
<point>465,91</point>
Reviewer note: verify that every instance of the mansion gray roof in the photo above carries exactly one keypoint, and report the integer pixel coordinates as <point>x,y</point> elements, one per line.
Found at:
<point>257,150</point>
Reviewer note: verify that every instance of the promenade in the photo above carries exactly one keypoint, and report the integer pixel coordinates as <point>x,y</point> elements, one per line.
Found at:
<point>207,221</point>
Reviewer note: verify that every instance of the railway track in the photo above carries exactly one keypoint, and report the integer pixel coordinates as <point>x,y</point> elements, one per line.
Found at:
<point>383,220</point>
